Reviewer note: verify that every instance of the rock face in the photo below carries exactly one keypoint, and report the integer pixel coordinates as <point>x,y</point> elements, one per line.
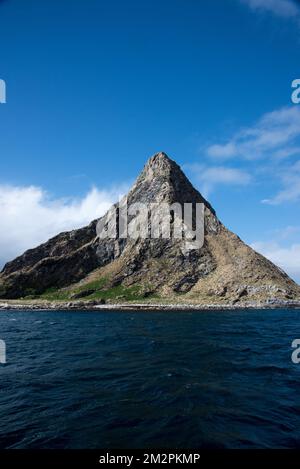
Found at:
<point>224,270</point>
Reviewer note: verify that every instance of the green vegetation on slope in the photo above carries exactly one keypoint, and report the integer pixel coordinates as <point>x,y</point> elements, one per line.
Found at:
<point>95,290</point>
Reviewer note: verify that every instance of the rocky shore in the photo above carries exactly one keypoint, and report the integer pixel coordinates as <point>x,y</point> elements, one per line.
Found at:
<point>78,269</point>
<point>96,306</point>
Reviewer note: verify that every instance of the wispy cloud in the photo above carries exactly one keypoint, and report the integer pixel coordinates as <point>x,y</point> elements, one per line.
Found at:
<point>210,176</point>
<point>29,216</point>
<point>283,248</point>
<point>290,192</point>
<point>283,8</point>
<point>287,233</point>
<point>270,146</point>
<point>274,134</point>
<point>288,258</point>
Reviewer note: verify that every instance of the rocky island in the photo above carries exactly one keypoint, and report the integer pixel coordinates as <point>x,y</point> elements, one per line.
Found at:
<point>77,269</point>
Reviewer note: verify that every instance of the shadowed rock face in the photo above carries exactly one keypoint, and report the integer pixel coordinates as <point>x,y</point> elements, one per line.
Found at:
<point>223,270</point>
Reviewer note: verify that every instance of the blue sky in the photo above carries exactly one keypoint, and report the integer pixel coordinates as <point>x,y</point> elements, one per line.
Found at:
<point>94,88</point>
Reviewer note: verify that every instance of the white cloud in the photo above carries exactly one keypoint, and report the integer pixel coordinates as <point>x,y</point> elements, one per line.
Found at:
<point>283,8</point>
<point>287,232</point>
<point>29,216</point>
<point>290,192</point>
<point>210,176</point>
<point>286,152</point>
<point>274,140</point>
<point>288,258</point>
<point>274,134</point>
<point>222,151</point>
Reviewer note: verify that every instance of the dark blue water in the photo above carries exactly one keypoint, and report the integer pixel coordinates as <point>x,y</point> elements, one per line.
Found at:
<point>106,380</point>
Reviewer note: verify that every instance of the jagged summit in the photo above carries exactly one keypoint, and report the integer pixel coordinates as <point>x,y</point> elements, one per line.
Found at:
<point>160,159</point>
<point>79,264</point>
<point>160,164</point>
<point>162,179</point>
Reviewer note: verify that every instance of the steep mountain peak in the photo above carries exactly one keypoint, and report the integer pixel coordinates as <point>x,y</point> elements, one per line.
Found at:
<point>162,180</point>
<point>222,270</point>
<point>160,162</point>
<point>159,165</point>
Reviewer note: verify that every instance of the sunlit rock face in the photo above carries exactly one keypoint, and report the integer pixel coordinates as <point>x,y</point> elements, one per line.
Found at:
<point>222,270</point>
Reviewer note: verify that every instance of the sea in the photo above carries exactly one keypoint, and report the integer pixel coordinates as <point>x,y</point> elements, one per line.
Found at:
<point>214,379</point>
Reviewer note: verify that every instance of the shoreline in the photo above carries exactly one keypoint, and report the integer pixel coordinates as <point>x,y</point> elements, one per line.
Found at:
<point>82,306</point>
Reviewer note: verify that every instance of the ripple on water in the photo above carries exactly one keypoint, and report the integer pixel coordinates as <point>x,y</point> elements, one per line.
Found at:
<point>165,379</point>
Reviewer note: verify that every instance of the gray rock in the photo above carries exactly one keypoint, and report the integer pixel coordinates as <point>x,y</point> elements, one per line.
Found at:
<point>160,266</point>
